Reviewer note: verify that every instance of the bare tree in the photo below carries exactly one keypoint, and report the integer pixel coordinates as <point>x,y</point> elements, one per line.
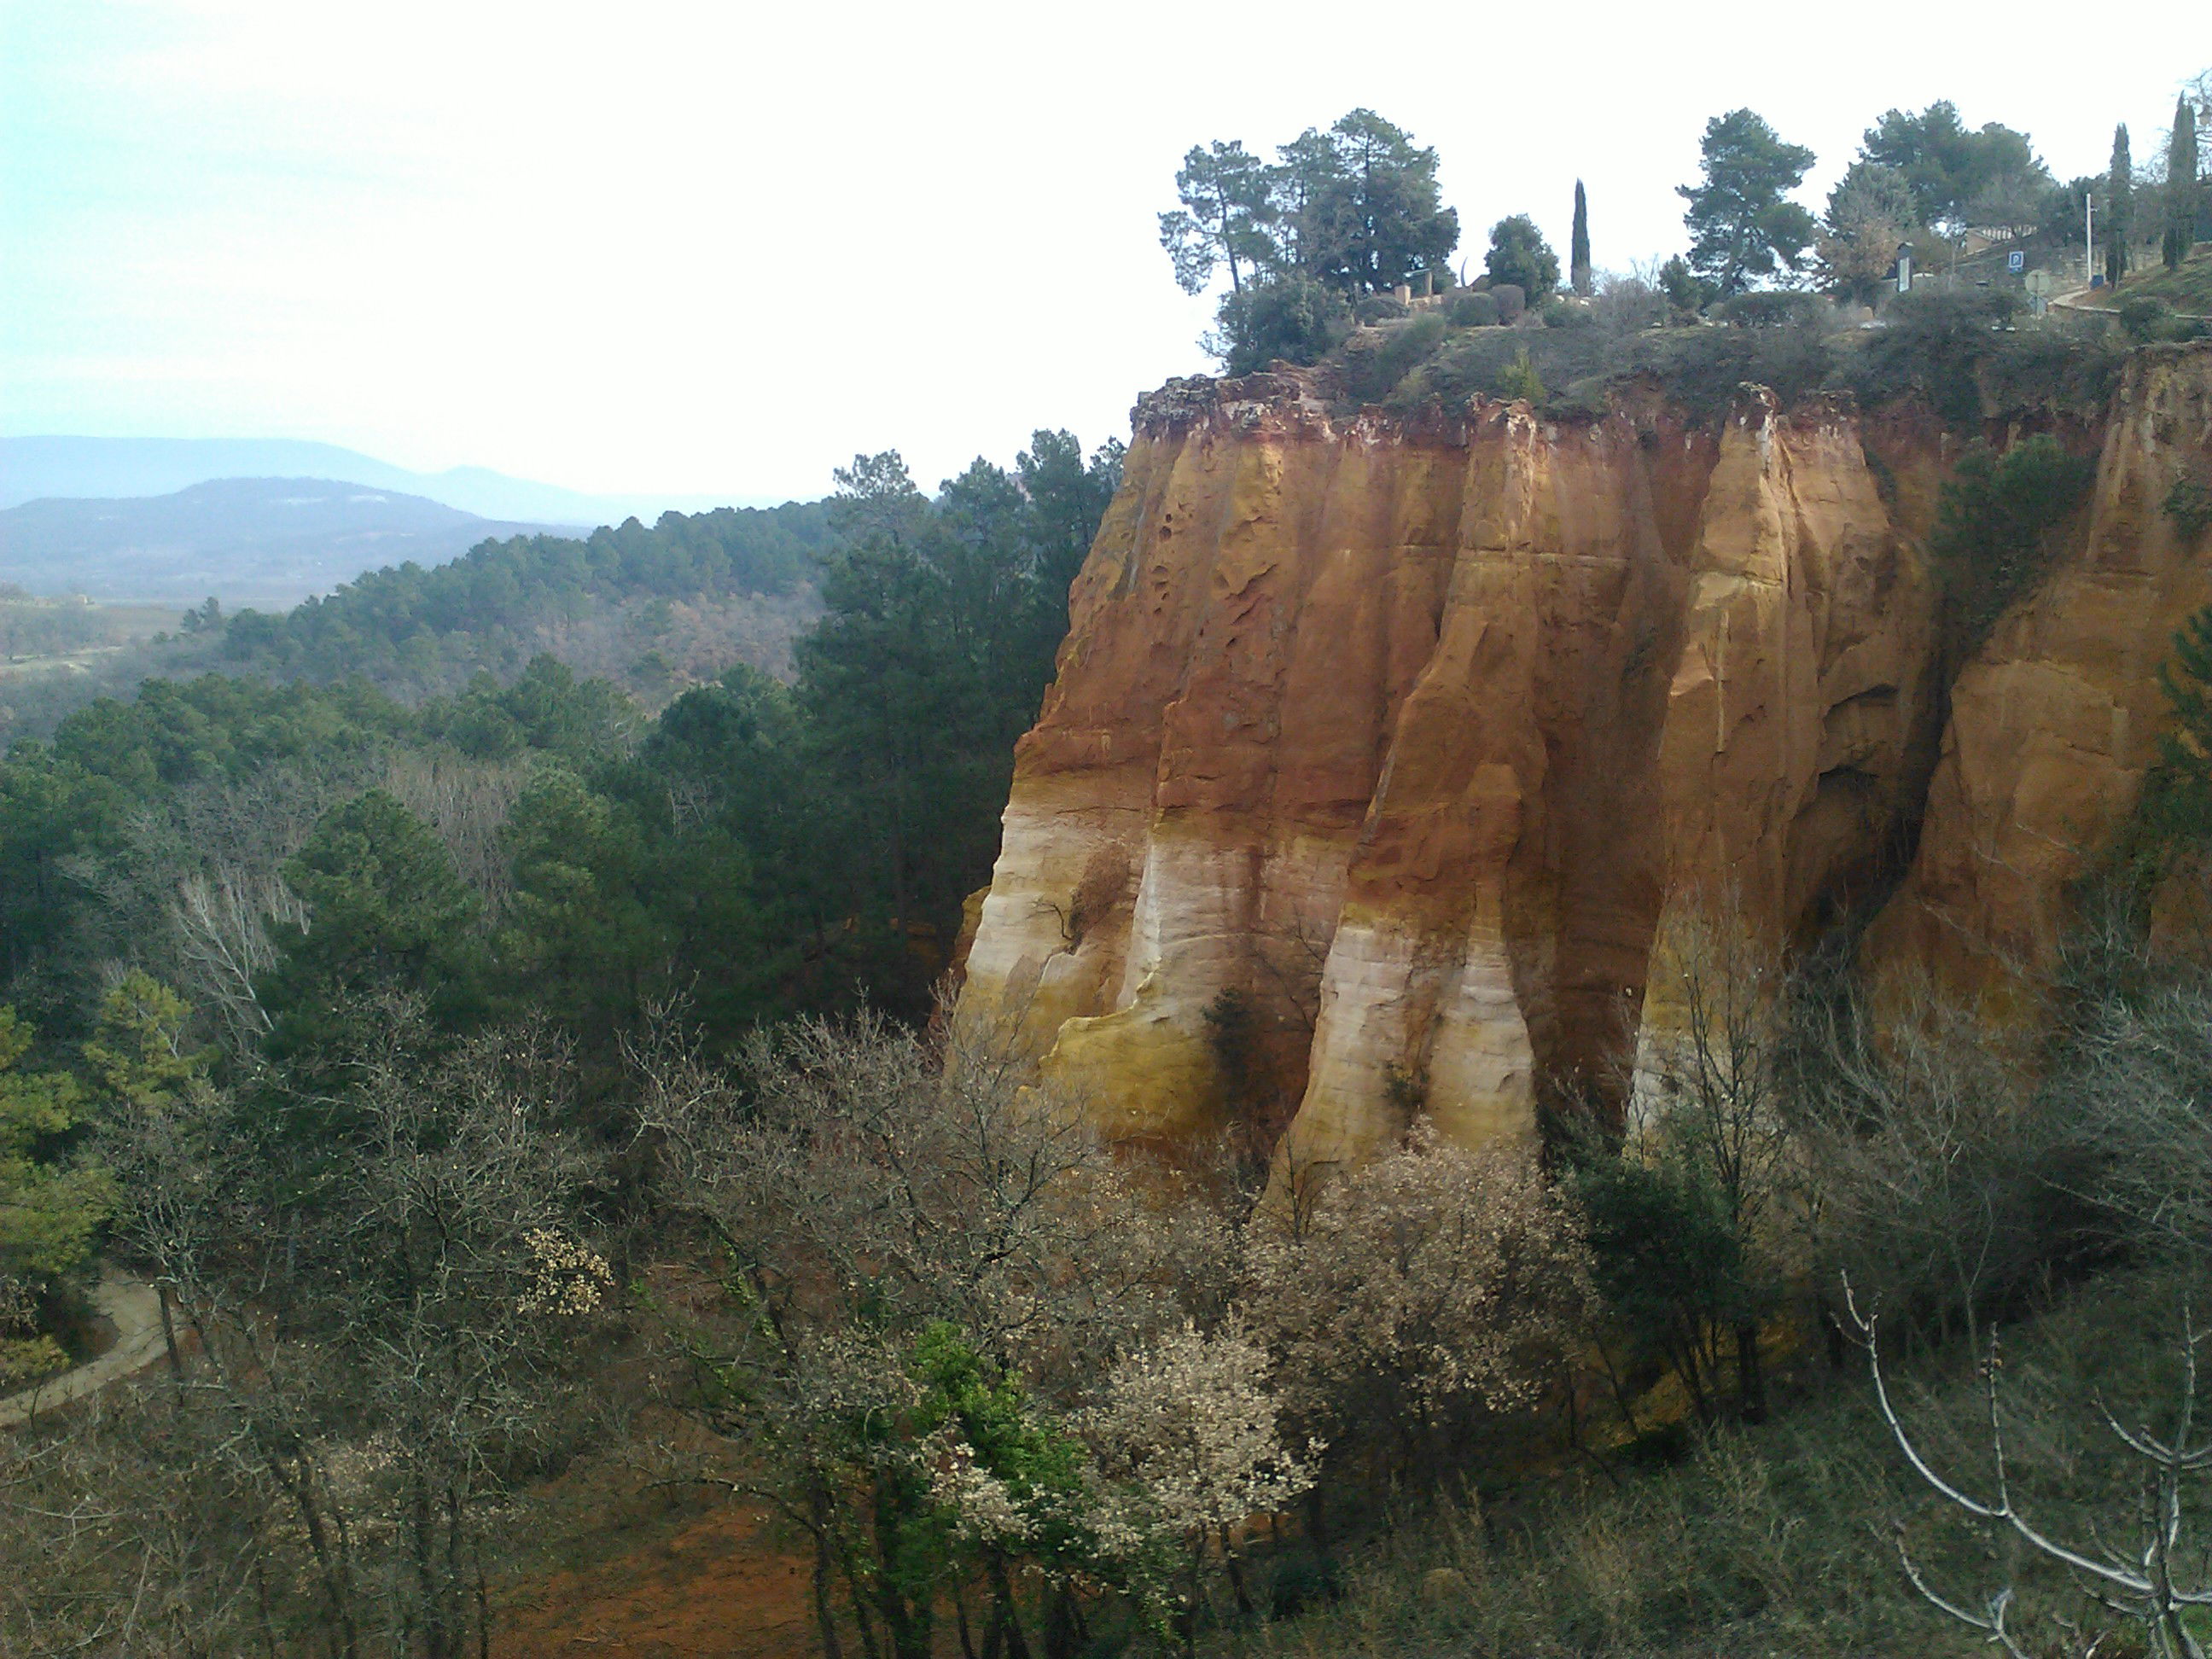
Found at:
<point>1706,1095</point>
<point>381,1318</point>
<point>874,1202</point>
<point>2153,1580</point>
<point>129,1536</point>
<point>466,803</point>
<point>1933,1161</point>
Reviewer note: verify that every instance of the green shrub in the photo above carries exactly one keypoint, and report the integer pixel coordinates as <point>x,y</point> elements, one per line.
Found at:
<point>1512,299</point>
<point>1473,310</point>
<point>1372,371</point>
<point>26,1360</point>
<point>1936,342</point>
<point>1681,286</point>
<point>1994,525</point>
<point>1560,313</point>
<point>2189,504</point>
<point>1520,379</point>
<point>1375,308</point>
<point>2057,370</point>
<point>2143,318</point>
<point>1776,309</point>
<point>1292,317</point>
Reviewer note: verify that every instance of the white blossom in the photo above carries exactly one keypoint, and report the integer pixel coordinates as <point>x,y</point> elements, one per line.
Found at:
<point>569,1277</point>
<point>1192,1421</point>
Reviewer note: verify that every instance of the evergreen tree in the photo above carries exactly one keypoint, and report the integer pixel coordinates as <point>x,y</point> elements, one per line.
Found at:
<point>2180,185</point>
<point>1578,254</point>
<point>385,912</point>
<point>1956,175</point>
<point>2119,207</point>
<point>1742,226</point>
<point>1362,205</point>
<point>1226,195</point>
<point>1519,254</point>
<point>1870,211</point>
<point>53,1201</point>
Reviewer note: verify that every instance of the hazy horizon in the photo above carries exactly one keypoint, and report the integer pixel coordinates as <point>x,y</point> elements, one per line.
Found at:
<point>693,254</point>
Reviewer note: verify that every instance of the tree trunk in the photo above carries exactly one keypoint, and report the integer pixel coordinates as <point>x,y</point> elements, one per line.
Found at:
<point>1750,1374</point>
<point>1060,1640</point>
<point>169,1334</point>
<point>1235,1568</point>
<point>1317,1520</point>
<point>825,1618</point>
<point>1005,1615</point>
<point>960,1618</point>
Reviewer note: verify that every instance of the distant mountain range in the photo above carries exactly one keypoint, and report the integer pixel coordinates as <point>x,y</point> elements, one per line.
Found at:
<point>37,467</point>
<point>265,542</point>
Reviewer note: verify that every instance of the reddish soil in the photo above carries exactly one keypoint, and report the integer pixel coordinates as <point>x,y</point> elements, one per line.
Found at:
<point>708,1585</point>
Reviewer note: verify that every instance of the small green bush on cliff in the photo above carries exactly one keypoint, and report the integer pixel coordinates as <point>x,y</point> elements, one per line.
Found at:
<point>1372,367</point>
<point>1994,527</point>
<point>1290,317</point>
<point>1472,309</point>
<point>1934,345</point>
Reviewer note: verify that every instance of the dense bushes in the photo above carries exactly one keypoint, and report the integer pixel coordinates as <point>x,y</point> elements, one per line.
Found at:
<point>1953,350</point>
<point>1291,317</point>
<point>1994,525</point>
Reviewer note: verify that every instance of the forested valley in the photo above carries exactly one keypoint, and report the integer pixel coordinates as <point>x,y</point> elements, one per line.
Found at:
<point>495,1023</point>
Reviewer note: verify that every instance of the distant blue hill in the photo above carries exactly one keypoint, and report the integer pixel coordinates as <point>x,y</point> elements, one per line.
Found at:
<point>264,542</point>
<point>78,468</point>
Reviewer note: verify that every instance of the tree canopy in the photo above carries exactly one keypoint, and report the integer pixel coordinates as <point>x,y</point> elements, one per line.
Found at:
<point>1958,175</point>
<point>1352,210</point>
<point>2182,188</point>
<point>1519,254</point>
<point>1742,226</point>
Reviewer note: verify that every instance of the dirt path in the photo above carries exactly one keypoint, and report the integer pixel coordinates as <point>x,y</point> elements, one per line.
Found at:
<point>135,1311</point>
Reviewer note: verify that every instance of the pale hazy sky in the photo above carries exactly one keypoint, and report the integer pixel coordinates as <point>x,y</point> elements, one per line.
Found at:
<point>722,247</point>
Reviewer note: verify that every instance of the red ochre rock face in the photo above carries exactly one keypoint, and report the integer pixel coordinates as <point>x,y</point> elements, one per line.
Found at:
<point>1413,734</point>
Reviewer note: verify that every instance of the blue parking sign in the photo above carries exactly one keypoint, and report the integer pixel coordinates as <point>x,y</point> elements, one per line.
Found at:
<point>2015,261</point>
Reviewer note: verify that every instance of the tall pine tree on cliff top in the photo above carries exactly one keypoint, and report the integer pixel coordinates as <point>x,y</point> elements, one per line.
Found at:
<point>2119,207</point>
<point>1742,225</point>
<point>2180,185</point>
<point>1578,258</point>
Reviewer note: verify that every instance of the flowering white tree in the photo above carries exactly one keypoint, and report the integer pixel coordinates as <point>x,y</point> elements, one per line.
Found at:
<point>1191,1423</point>
<point>1431,1279</point>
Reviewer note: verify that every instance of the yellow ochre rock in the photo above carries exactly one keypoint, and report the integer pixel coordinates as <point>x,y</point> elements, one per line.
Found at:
<point>1409,734</point>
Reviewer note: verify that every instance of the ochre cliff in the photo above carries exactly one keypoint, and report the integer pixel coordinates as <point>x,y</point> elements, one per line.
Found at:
<point>2056,719</point>
<point>1410,733</point>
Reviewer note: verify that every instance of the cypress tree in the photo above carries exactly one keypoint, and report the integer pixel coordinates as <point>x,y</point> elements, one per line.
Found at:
<point>2180,186</point>
<point>1578,260</point>
<point>2120,208</point>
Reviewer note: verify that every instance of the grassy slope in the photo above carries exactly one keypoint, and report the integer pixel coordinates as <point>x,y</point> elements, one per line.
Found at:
<point>1770,1541</point>
<point>2188,289</point>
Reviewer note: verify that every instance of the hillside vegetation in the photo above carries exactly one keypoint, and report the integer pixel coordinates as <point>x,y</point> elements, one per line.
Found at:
<point>647,607</point>
<point>530,1086</point>
<point>652,609</point>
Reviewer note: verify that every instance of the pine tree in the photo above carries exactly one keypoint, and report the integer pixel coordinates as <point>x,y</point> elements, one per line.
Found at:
<point>2180,185</point>
<point>1578,254</point>
<point>2119,209</point>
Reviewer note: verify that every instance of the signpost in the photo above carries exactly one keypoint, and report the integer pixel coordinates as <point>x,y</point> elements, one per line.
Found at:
<point>2015,261</point>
